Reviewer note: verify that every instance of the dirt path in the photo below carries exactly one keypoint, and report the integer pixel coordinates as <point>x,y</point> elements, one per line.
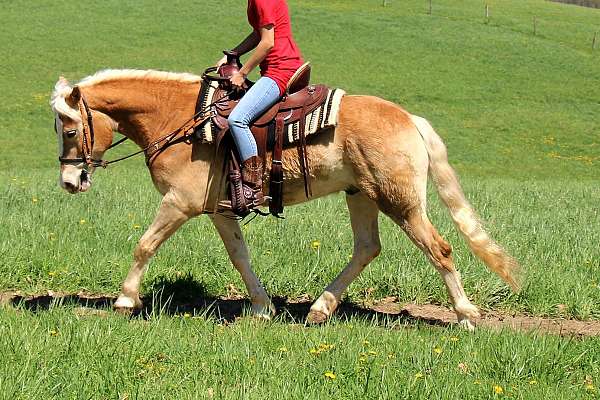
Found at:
<point>232,307</point>
<point>494,320</point>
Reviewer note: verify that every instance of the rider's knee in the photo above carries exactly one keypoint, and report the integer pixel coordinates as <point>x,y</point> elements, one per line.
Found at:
<point>237,119</point>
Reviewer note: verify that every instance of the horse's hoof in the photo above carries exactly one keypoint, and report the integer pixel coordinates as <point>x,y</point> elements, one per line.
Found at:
<point>316,317</point>
<point>467,325</point>
<point>262,312</point>
<point>126,305</point>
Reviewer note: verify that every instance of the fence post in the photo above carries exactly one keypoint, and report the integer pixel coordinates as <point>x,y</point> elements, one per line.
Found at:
<point>384,3</point>
<point>430,7</point>
<point>594,40</point>
<point>487,13</point>
<point>534,25</point>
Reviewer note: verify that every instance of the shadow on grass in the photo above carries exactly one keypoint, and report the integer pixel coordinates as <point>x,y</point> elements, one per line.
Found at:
<point>185,295</point>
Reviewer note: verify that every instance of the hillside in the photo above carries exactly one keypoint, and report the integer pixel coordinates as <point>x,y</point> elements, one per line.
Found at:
<point>509,104</point>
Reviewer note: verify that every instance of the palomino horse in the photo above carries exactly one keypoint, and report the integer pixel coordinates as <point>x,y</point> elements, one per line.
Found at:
<point>379,154</point>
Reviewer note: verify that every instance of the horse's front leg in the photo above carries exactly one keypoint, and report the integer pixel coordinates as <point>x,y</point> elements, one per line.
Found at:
<point>230,233</point>
<point>168,219</point>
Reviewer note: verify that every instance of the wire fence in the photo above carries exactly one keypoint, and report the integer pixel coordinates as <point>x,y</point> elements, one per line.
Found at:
<point>584,3</point>
<point>548,24</point>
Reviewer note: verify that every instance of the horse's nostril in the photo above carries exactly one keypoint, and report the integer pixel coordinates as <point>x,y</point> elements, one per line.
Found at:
<point>70,187</point>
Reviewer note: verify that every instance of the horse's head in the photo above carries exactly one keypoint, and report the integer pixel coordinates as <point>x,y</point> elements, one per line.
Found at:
<point>83,136</point>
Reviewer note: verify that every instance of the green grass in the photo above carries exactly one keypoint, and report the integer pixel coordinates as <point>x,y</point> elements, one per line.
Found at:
<point>63,355</point>
<point>520,115</point>
<point>59,251</point>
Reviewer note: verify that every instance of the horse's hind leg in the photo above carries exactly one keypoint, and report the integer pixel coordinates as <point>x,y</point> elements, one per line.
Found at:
<point>230,233</point>
<point>363,217</point>
<point>168,219</point>
<point>420,230</point>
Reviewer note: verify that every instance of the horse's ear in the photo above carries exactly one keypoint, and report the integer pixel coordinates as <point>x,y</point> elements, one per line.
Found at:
<point>76,94</point>
<point>74,97</point>
<point>63,80</point>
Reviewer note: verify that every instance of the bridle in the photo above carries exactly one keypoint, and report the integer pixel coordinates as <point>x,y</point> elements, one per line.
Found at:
<point>86,146</point>
<point>151,150</point>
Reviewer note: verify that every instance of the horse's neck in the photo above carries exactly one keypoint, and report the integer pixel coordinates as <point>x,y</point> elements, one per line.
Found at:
<point>144,109</point>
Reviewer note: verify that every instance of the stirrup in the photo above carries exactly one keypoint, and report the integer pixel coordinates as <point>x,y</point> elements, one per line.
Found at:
<point>226,205</point>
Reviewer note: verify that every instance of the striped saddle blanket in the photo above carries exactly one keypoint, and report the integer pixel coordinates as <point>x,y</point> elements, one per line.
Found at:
<point>321,113</point>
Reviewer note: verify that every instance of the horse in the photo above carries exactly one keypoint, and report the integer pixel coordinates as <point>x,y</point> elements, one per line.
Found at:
<point>379,154</point>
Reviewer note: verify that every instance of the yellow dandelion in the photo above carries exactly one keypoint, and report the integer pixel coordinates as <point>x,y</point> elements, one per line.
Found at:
<point>366,343</point>
<point>82,221</point>
<point>498,389</point>
<point>437,350</point>
<point>52,273</point>
<point>315,245</point>
<point>34,199</point>
<point>329,375</point>
<point>454,339</point>
<point>282,349</point>
<point>187,315</point>
<point>314,352</point>
<point>418,375</point>
<point>136,226</point>
<point>477,382</point>
<point>372,353</point>
<point>53,332</point>
<point>325,346</point>
<point>589,387</point>
<point>533,382</point>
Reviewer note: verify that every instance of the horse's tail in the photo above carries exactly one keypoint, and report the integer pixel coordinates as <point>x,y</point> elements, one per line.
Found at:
<point>463,215</point>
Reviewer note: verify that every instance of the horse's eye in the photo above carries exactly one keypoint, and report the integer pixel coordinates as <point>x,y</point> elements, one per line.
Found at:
<point>71,133</point>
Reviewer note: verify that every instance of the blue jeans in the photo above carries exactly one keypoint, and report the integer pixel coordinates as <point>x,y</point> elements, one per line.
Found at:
<point>262,95</point>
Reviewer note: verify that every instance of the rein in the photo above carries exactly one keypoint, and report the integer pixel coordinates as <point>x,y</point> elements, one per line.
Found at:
<point>88,148</point>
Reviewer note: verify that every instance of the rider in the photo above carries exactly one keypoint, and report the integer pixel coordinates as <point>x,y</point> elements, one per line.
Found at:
<point>279,58</point>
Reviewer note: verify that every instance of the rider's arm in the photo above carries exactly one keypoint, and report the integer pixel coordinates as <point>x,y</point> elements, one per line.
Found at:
<point>266,43</point>
<point>251,41</point>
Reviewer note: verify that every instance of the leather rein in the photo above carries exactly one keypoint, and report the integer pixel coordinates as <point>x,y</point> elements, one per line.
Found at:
<point>88,146</point>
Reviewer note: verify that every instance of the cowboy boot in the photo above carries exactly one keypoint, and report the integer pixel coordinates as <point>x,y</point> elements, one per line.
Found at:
<point>252,172</point>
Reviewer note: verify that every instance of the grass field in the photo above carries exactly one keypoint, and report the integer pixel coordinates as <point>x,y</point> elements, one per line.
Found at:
<point>520,115</point>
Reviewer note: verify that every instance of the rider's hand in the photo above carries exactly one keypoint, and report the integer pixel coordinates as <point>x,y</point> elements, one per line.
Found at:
<point>238,80</point>
<point>221,61</point>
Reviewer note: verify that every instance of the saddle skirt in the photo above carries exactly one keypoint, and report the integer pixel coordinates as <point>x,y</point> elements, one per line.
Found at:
<point>321,111</point>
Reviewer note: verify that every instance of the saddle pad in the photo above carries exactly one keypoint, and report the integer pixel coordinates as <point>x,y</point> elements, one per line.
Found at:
<point>324,116</point>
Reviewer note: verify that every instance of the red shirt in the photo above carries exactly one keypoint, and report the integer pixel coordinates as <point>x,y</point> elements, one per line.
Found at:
<point>284,58</point>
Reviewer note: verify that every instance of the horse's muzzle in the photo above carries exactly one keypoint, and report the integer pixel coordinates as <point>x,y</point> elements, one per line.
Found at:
<point>75,180</point>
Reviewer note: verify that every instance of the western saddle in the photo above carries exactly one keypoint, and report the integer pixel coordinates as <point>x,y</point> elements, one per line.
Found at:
<point>299,99</point>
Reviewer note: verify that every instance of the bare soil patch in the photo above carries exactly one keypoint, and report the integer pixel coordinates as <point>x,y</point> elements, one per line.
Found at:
<point>494,319</point>
<point>230,308</point>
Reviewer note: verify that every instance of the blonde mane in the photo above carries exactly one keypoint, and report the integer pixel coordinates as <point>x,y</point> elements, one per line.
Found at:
<point>63,89</point>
